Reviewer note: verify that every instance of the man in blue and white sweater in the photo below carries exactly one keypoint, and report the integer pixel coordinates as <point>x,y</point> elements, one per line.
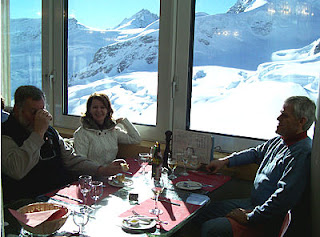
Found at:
<point>281,180</point>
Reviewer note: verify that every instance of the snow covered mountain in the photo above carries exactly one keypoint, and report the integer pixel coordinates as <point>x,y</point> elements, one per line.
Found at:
<point>122,62</point>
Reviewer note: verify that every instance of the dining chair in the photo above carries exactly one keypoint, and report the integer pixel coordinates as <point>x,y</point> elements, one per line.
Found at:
<point>285,224</point>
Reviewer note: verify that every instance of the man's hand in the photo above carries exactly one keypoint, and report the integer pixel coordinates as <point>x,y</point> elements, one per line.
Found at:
<point>215,165</point>
<point>239,215</point>
<point>41,121</point>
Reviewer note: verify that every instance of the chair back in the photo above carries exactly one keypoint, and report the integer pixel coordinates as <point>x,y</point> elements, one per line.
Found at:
<point>285,224</point>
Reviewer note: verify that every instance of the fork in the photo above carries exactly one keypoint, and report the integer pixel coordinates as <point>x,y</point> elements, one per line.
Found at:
<point>162,222</point>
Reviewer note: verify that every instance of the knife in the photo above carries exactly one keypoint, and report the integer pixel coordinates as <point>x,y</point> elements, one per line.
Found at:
<point>166,200</point>
<point>68,197</point>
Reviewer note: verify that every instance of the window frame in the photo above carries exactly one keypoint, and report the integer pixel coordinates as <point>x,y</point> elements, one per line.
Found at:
<point>165,75</point>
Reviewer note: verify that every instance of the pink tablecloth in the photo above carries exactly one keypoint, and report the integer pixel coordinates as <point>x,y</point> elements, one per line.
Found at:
<point>73,191</point>
<point>171,213</point>
<point>210,179</point>
<point>135,168</point>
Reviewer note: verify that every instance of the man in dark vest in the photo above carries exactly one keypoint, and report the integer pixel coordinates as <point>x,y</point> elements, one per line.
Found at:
<point>34,157</point>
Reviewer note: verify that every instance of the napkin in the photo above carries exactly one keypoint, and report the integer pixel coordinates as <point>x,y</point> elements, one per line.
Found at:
<point>73,191</point>
<point>135,168</point>
<point>172,214</point>
<point>204,178</point>
<point>36,218</point>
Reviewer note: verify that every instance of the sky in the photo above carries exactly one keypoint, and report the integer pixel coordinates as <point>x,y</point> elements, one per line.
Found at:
<point>97,10</point>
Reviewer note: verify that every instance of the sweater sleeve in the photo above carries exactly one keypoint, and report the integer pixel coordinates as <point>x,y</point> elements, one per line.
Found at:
<point>75,162</point>
<point>249,156</point>
<point>130,136</point>
<point>16,162</point>
<point>81,142</point>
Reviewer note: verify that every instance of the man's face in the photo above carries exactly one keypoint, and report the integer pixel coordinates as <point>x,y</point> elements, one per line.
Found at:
<point>26,114</point>
<point>288,125</point>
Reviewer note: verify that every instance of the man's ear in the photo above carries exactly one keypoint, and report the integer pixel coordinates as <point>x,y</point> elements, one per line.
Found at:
<point>303,121</point>
<point>15,110</point>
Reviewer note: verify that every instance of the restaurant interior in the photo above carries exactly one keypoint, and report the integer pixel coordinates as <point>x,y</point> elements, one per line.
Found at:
<point>173,100</point>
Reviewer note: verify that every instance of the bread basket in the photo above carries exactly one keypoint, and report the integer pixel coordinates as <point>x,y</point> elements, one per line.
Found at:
<point>49,226</point>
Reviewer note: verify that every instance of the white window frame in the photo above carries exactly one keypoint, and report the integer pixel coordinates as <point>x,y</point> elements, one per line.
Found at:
<point>53,76</point>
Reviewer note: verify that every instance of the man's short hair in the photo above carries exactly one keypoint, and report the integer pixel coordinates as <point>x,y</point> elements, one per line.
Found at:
<point>25,92</point>
<point>303,107</point>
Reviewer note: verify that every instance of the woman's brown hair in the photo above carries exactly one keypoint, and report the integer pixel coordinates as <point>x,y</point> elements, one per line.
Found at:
<point>104,99</point>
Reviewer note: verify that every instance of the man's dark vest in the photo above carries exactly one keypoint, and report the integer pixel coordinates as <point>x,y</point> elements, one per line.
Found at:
<point>46,176</point>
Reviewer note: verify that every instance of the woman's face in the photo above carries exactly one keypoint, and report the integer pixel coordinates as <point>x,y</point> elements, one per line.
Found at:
<point>98,111</point>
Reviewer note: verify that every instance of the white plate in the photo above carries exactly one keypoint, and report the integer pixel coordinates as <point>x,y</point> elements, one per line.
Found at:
<point>189,185</point>
<point>115,183</point>
<point>143,225</point>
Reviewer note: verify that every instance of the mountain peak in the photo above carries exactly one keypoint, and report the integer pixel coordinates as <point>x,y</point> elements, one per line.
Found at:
<point>139,20</point>
<point>246,5</point>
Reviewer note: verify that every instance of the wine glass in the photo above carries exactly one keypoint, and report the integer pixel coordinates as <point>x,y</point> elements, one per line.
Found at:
<point>182,157</point>
<point>85,185</point>
<point>143,161</point>
<point>96,190</point>
<point>172,164</point>
<point>157,188</point>
<point>194,161</point>
<point>81,219</point>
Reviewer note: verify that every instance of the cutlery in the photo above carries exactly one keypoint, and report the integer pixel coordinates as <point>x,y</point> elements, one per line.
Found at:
<point>68,197</point>
<point>166,200</point>
<point>147,217</point>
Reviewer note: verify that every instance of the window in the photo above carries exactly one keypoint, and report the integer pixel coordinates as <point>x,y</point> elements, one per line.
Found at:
<point>247,59</point>
<point>24,46</point>
<point>114,50</point>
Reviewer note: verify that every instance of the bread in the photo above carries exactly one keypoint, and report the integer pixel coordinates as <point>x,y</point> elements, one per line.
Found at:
<point>120,177</point>
<point>125,167</point>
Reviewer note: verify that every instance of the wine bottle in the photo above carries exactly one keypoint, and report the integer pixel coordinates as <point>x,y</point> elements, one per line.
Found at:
<point>157,162</point>
<point>167,150</point>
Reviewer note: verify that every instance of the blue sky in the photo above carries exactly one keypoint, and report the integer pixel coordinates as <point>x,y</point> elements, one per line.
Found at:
<point>93,12</point>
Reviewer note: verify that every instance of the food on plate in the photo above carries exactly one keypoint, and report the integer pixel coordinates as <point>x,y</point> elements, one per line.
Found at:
<point>125,167</point>
<point>120,177</point>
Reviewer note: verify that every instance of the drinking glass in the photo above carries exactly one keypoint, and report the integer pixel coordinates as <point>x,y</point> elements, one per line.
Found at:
<point>157,188</point>
<point>172,164</point>
<point>194,161</point>
<point>85,185</point>
<point>81,219</point>
<point>96,190</point>
<point>184,159</point>
<point>143,161</point>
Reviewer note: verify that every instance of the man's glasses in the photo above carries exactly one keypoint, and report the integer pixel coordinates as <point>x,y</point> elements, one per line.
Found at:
<point>47,151</point>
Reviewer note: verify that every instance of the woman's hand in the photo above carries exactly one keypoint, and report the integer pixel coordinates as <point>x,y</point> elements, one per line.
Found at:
<point>114,168</point>
<point>119,120</point>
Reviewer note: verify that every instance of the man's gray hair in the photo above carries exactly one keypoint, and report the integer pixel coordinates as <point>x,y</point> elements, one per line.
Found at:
<point>303,107</point>
<point>25,92</point>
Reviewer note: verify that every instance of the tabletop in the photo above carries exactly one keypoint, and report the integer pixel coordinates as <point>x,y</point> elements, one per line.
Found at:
<point>108,213</point>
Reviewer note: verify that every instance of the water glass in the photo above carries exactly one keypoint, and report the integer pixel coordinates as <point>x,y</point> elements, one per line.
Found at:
<point>143,161</point>
<point>81,219</point>
<point>85,185</point>
<point>96,190</point>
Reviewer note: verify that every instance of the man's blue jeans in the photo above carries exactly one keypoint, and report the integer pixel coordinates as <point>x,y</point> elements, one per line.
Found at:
<point>213,220</point>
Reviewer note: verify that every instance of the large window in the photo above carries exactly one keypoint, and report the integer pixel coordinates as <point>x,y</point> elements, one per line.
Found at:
<point>25,44</point>
<point>247,59</point>
<point>113,49</point>
<point>244,60</point>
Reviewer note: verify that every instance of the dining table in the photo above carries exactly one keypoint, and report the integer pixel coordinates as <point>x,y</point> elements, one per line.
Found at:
<point>181,200</point>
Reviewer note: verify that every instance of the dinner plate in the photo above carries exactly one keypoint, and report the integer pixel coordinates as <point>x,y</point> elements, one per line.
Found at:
<point>115,183</point>
<point>189,185</point>
<point>144,224</point>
